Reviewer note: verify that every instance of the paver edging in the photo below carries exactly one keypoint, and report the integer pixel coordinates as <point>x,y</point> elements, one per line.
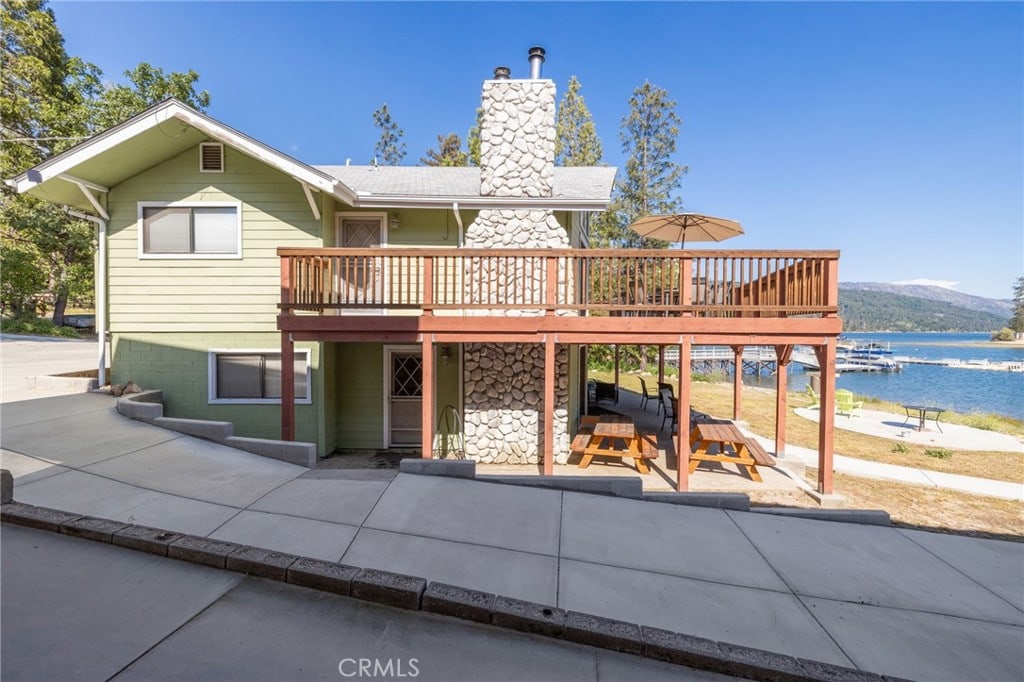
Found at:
<point>415,593</point>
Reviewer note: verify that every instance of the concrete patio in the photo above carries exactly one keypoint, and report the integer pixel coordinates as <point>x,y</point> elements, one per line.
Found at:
<point>879,599</point>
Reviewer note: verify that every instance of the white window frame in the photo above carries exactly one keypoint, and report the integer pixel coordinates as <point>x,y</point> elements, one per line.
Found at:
<point>211,376</point>
<point>362,215</point>
<point>223,161</point>
<point>237,205</point>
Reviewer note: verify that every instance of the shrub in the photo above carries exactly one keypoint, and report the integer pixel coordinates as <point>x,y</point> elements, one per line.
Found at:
<point>1004,334</point>
<point>35,326</point>
<point>900,448</point>
<point>939,453</point>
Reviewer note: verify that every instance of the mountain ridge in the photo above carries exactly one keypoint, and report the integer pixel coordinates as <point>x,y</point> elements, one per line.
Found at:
<point>995,306</point>
<point>878,306</point>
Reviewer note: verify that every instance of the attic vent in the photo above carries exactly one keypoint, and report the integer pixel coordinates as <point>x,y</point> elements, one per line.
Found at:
<point>211,157</point>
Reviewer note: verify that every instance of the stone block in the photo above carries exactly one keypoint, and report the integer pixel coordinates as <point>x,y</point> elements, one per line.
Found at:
<point>454,468</point>
<point>868,517</point>
<point>735,501</point>
<point>826,672</point>
<point>675,647</point>
<point>35,517</point>
<point>293,452</point>
<point>202,550</point>
<point>616,486</point>
<point>458,602</point>
<point>605,633</point>
<point>757,664</point>
<point>200,428</point>
<point>262,563</point>
<point>6,486</point>
<point>145,406</point>
<point>525,616</point>
<point>322,575</point>
<point>90,528</point>
<point>144,539</point>
<point>391,589</point>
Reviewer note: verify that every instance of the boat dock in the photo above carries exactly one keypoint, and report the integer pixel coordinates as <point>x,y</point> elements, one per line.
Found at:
<point>998,366</point>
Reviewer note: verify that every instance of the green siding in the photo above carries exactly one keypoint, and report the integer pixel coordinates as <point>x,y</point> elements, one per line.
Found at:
<point>185,295</point>
<point>177,363</point>
<point>357,408</point>
<point>420,227</point>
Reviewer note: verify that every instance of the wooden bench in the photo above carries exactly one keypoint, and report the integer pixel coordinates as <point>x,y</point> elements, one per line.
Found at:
<point>758,453</point>
<point>594,446</point>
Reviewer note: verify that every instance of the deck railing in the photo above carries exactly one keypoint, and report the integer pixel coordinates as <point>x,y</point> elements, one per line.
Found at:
<point>559,281</point>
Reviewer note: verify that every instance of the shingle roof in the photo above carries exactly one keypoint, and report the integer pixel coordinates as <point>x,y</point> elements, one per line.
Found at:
<point>462,182</point>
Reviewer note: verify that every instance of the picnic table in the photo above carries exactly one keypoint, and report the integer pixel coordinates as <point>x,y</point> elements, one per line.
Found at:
<point>922,413</point>
<point>746,452</point>
<point>614,436</point>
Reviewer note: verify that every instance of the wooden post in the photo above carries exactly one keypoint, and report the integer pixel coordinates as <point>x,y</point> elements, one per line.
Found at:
<point>683,432</point>
<point>428,285</point>
<point>782,356</point>
<point>661,364</point>
<point>549,405</point>
<point>287,387</point>
<point>551,290</point>
<point>617,349</point>
<point>427,398</point>
<point>827,413</point>
<point>737,381</point>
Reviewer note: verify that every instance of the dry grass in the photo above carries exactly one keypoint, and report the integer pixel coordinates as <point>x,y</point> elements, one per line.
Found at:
<point>925,508</point>
<point>932,509</point>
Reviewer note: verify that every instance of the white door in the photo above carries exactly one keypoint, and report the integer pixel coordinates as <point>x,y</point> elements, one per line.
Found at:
<point>361,280</point>
<point>403,407</point>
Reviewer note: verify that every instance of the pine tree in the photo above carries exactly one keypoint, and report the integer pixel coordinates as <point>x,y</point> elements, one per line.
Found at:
<point>473,138</point>
<point>1017,321</point>
<point>390,149</point>
<point>448,153</point>
<point>651,177</point>
<point>576,140</point>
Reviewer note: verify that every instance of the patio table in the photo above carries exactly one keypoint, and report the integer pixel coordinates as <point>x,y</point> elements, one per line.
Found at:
<point>612,429</point>
<point>746,453</point>
<point>922,413</point>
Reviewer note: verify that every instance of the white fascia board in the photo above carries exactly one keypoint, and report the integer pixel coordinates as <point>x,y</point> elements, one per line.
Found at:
<point>495,203</point>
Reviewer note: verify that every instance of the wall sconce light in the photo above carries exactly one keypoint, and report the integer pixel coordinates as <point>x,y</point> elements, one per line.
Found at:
<point>394,223</point>
<point>446,353</point>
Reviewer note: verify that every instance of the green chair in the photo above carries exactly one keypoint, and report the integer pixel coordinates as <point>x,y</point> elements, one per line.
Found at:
<point>846,405</point>
<point>812,396</point>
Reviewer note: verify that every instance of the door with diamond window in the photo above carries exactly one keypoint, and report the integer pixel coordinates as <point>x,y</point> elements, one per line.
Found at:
<point>404,398</point>
<point>361,280</point>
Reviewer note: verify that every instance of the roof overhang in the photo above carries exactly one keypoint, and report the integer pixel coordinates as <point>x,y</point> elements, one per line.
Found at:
<point>141,142</point>
<point>479,202</point>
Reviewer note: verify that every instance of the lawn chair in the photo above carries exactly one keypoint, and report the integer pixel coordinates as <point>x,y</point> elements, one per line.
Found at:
<point>671,407</point>
<point>846,405</point>
<point>663,386</point>
<point>645,395</point>
<point>812,396</point>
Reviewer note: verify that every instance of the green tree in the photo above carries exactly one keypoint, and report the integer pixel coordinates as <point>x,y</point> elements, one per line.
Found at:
<point>651,177</point>
<point>473,138</point>
<point>1017,321</point>
<point>576,140</point>
<point>49,102</point>
<point>146,85</point>
<point>389,148</point>
<point>448,153</point>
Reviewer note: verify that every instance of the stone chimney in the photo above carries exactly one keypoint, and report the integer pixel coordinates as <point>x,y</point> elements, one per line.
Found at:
<point>517,159</point>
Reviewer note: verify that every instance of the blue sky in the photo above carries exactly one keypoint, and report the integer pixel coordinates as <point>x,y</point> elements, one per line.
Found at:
<point>891,131</point>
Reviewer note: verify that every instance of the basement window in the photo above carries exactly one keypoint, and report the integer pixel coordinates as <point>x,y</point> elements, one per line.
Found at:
<point>190,230</point>
<point>211,157</point>
<point>253,377</point>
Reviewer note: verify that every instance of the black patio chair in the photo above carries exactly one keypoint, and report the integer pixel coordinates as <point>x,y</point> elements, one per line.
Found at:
<point>646,395</point>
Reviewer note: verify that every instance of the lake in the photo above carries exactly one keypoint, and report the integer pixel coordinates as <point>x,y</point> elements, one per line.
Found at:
<point>960,390</point>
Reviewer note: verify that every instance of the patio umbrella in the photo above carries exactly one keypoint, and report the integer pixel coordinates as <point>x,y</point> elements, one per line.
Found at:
<point>679,227</point>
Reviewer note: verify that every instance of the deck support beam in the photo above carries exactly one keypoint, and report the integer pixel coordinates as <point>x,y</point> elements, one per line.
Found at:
<point>661,364</point>
<point>618,348</point>
<point>427,397</point>
<point>683,430</point>
<point>737,382</point>
<point>782,358</point>
<point>287,387</point>
<point>549,405</point>
<point>827,413</point>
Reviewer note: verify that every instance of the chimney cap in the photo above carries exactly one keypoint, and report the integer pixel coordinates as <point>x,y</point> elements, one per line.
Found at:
<point>537,51</point>
<point>502,73</point>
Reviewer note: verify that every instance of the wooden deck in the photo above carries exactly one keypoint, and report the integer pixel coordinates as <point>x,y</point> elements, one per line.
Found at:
<point>566,296</point>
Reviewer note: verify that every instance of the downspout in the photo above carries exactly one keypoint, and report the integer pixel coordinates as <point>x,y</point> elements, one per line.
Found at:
<point>101,293</point>
<point>458,220</point>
